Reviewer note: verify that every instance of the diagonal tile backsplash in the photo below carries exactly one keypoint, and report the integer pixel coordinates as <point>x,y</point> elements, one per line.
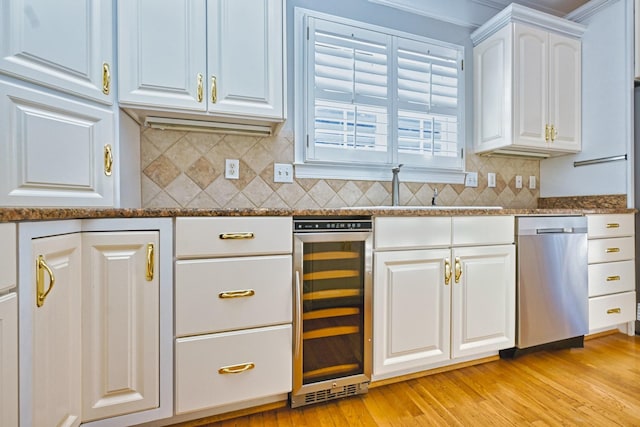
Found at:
<point>186,169</point>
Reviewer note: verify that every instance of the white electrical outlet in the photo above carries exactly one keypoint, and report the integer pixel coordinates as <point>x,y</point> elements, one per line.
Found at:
<point>282,172</point>
<point>518,181</point>
<point>532,182</point>
<point>491,179</point>
<point>471,179</point>
<point>638,312</point>
<point>232,169</point>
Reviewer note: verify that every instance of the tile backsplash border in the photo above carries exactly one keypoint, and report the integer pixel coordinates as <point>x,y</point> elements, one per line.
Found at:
<point>186,170</point>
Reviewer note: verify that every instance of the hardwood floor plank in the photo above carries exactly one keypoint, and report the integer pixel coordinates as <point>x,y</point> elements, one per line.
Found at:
<point>598,385</point>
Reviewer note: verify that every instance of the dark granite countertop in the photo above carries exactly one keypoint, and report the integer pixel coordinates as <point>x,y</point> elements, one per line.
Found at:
<point>37,214</point>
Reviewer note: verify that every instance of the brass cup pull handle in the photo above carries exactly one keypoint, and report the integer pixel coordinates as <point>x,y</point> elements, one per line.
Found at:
<point>447,271</point>
<point>106,78</point>
<point>150,261</point>
<point>612,250</point>
<point>237,236</point>
<point>458,270</point>
<point>613,278</point>
<point>236,369</point>
<point>613,225</point>
<point>41,267</point>
<point>214,89</point>
<point>200,89</point>
<point>108,160</point>
<point>614,310</point>
<point>236,294</point>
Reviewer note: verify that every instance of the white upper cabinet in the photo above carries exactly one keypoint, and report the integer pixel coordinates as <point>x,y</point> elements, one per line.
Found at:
<point>161,49</point>
<point>66,46</point>
<point>527,84</point>
<point>54,150</point>
<point>217,58</point>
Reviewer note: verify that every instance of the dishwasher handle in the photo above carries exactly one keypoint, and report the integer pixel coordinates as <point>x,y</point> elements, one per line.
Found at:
<point>560,230</point>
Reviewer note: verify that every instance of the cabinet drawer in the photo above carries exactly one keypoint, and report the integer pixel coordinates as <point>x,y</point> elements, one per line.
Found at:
<point>611,310</point>
<point>200,382</point>
<point>613,225</point>
<point>411,232</point>
<point>483,230</point>
<point>606,250</point>
<point>224,236</point>
<point>611,278</point>
<point>232,293</point>
<point>8,249</point>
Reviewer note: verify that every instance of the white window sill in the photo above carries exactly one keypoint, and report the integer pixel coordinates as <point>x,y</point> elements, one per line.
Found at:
<point>358,172</point>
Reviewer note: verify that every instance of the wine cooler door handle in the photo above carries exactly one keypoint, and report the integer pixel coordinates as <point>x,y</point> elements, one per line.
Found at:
<point>297,321</point>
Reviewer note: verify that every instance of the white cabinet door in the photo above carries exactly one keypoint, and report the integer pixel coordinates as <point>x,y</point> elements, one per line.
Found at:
<point>483,299</point>
<point>63,45</point>
<point>56,384</point>
<point>530,82</point>
<point>120,318</point>
<point>411,311</point>
<point>250,82</point>
<point>565,92</point>
<point>162,53</point>
<point>52,150</point>
<point>9,360</point>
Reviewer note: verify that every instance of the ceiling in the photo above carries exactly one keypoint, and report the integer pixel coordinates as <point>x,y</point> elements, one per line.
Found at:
<point>473,13</point>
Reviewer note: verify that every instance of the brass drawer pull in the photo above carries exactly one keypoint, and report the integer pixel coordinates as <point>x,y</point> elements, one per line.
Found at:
<point>237,236</point>
<point>612,250</point>
<point>613,225</point>
<point>616,310</point>
<point>458,270</point>
<point>200,88</point>
<point>236,369</point>
<point>237,294</point>
<point>214,90</point>
<point>106,78</point>
<point>447,271</point>
<point>108,160</point>
<point>41,266</point>
<point>150,261</point>
<point>613,278</point>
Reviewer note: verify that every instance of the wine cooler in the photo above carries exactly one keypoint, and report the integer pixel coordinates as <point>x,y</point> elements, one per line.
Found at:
<point>332,308</point>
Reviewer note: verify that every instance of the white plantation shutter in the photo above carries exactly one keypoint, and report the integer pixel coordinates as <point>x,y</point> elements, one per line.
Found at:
<point>380,99</point>
<point>349,70</point>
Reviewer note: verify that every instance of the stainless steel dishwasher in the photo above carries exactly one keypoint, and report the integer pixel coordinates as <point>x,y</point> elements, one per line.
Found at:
<point>552,290</point>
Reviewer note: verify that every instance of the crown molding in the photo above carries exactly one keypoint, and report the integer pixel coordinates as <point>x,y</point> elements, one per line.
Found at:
<point>587,10</point>
<point>518,13</point>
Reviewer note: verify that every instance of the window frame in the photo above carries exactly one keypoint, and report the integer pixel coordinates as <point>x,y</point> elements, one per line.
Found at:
<point>325,169</point>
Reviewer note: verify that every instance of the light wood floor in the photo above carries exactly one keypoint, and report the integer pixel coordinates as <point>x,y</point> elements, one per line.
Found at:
<point>598,385</point>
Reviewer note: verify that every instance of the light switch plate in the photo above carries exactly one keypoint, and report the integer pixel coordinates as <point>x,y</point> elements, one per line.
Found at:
<point>282,172</point>
<point>491,179</point>
<point>518,181</point>
<point>532,182</point>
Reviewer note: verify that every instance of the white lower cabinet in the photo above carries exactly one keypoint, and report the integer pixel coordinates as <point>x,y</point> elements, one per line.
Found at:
<point>612,275</point>
<point>9,360</point>
<point>120,341</point>
<point>219,369</point>
<point>440,305</point>
<point>51,386</point>
<point>95,322</point>
<point>233,312</point>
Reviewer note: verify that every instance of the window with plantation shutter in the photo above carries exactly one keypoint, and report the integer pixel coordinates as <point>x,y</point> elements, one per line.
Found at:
<point>373,98</point>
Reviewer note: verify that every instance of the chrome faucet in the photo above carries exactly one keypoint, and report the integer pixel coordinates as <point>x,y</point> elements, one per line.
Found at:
<point>395,186</point>
<point>435,195</point>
